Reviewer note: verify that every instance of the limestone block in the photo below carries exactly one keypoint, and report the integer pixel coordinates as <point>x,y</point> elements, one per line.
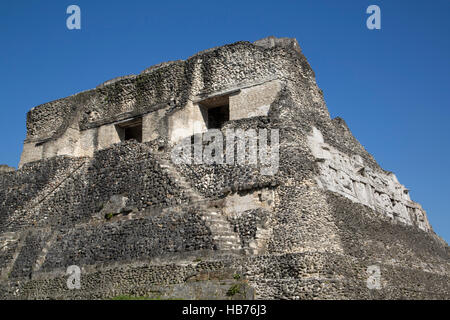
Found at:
<point>31,152</point>
<point>87,142</point>
<point>186,122</point>
<point>107,135</point>
<point>68,143</point>
<point>254,101</point>
<point>152,124</point>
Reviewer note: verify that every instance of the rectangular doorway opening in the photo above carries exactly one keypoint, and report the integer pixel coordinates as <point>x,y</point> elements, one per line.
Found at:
<point>130,130</point>
<point>218,116</point>
<point>215,111</point>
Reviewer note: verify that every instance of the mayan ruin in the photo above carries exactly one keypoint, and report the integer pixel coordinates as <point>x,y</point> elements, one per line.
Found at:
<point>221,176</point>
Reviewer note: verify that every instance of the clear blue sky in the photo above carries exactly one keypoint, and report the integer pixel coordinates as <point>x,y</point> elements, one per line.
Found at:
<point>391,85</point>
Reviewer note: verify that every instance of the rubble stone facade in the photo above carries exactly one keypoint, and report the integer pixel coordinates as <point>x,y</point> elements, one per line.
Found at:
<point>96,188</point>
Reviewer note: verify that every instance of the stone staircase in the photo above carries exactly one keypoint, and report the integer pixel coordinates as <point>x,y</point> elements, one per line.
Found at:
<point>223,234</point>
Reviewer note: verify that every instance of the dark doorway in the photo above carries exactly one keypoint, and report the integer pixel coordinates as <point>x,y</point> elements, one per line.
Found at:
<point>134,132</point>
<point>130,130</point>
<point>216,111</point>
<point>218,116</point>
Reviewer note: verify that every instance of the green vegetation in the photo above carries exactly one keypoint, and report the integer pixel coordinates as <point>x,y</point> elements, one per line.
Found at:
<point>108,216</point>
<point>234,289</point>
<point>236,276</point>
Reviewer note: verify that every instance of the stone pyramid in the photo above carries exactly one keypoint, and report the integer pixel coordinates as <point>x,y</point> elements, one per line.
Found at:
<point>291,206</point>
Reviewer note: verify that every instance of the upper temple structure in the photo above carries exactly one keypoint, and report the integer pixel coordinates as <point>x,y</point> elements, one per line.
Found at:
<point>98,188</point>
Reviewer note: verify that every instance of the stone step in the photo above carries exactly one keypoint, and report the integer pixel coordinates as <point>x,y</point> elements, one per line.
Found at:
<point>229,247</point>
<point>221,227</point>
<point>215,220</point>
<point>227,231</point>
<point>225,237</point>
<point>223,233</point>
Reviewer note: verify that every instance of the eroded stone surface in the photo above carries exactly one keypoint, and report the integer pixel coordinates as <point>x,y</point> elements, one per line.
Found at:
<point>5,168</point>
<point>350,177</point>
<point>138,224</point>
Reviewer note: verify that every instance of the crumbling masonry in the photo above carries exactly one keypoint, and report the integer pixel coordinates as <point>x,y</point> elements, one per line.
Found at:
<point>96,188</point>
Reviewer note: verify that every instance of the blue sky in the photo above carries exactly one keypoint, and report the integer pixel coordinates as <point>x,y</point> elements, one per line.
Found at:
<point>391,85</point>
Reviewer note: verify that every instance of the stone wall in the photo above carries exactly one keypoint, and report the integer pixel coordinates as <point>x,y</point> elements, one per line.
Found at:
<point>78,189</point>
<point>137,223</point>
<point>350,177</point>
<point>4,168</point>
<point>55,126</point>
